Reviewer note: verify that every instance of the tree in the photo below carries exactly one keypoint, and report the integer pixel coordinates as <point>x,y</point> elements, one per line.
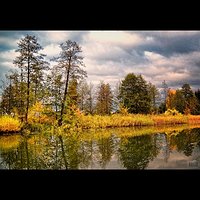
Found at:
<point>170,99</point>
<point>165,90</point>
<point>197,95</point>
<point>54,90</point>
<point>28,61</point>
<point>104,99</point>
<point>85,97</point>
<point>154,94</point>
<point>72,92</point>
<point>189,99</point>
<point>134,94</point>
<point>90,100</point>
<point>178,101</point>
<point>10,100</point>
<point>37,78</point>
<point>69,61</point>
<point>116,100</point>
<point>183,100</point>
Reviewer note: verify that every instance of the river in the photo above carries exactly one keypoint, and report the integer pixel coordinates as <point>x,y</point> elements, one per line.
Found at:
<point>122,148</point>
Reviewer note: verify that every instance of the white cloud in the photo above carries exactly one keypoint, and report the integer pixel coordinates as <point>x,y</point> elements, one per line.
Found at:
<point>56,36</point>
<point>8,55</point>
<point>115,37</point>
<point>110,55</point>
<point>51,50</point>
<point>102,51</point>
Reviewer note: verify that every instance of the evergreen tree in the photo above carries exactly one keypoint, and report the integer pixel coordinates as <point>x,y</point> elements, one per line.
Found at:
<point>28,61</point>
<point>134,94</point>
<point>69,61</point>
<point>104,104</point>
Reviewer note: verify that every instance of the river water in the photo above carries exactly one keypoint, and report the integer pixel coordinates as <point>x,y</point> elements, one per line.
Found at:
<point>122,148</point>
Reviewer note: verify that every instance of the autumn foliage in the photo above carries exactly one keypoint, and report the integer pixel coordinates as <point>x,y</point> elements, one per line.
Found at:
<point>9,124</point>
<point>38,114</point>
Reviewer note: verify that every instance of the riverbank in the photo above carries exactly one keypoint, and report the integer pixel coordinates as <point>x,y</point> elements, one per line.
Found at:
<point>81,121</point>
<point>131,120</point>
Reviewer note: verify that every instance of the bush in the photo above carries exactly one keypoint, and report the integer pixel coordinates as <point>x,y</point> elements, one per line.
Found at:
<point>9,124</point>
<point>172,112</point>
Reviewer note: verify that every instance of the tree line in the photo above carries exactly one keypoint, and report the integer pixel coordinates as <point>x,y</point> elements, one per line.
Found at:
<point>64,84</point>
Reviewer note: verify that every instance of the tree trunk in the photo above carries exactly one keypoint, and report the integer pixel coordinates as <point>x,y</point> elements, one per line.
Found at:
<point>28,86</point>
<point>9,103</point>
<point>36,85</point>
<point>65,95</point>
<point>21,92</point>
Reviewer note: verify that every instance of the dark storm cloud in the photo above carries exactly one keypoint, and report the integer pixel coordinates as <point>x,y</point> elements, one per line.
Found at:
<point>9,39</point>
<point>170,43</point>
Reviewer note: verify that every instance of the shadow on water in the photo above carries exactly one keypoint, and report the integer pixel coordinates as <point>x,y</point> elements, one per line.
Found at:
<point>121,148</point>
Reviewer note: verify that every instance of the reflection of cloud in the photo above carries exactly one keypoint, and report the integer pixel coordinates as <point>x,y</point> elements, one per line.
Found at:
<point>176,160</point>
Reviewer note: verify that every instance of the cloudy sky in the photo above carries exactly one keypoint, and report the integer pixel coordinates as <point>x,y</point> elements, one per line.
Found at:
<point>173,56</point>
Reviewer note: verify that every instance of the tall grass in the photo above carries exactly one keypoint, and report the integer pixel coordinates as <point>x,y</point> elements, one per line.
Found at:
<point>169,120</point>
<point>9,124</point>
<point>131,120</point>
<point>115,120</point>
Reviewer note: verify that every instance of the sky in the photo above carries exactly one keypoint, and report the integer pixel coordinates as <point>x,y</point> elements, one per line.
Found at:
<point>173,56</point>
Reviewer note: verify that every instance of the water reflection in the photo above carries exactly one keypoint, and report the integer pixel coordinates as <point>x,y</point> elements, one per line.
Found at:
<point>136,152</point>
<point>126,148</point>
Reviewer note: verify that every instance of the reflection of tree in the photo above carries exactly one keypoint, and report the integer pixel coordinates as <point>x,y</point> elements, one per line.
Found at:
<point>136,152</point>
<point>87,152</point>
<point>73,151</point>
<point>185,141</point>
<point>44,152</point>
<point>106,147</point>
<point>163,144</point>
<point>72,145</point>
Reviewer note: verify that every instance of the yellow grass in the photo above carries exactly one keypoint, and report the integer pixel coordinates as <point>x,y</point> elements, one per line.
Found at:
<point>169,120</point>
<point>115,120</point>
<point>130,120</point>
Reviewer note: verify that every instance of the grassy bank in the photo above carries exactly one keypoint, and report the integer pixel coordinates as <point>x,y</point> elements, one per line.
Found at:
<point>80,121</point>
<point>115,120</point>
<point>130,120</point>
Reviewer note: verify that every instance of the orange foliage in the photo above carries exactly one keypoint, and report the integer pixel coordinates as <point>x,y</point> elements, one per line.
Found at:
<point>37,114</point>
<point>169,99</point>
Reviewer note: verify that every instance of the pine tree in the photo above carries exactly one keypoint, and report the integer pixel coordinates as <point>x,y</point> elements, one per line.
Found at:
<point>104,103</point>
<point>69,61</point>
<point>28,61</point>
